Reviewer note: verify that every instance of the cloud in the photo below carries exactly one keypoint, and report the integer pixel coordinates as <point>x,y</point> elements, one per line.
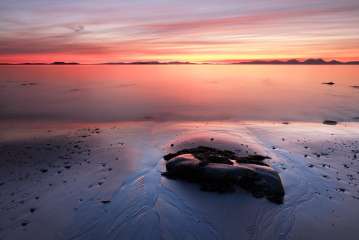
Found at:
<point>265,17</point>
<point>154,30</point>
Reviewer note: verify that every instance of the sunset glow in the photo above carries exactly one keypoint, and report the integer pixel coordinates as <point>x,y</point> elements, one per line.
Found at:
<point>197,31</point>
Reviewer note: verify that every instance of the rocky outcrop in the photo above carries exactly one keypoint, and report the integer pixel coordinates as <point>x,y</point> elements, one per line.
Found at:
<point>224,171</point>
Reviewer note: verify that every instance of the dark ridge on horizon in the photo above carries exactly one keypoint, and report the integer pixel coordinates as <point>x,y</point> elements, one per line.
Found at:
<point>40,63</point>
<point>148,62</point>
<point>64,63</point>
<point>309,61</point>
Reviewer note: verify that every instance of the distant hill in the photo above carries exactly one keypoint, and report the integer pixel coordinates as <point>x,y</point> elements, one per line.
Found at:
<point>147,62</point>
<point>309,61</point>
<point>38,63</point>
<point>65,63</point>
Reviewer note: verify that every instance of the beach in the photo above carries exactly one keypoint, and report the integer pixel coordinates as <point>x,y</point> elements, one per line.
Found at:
<point>179,120</point>
<point>104,181</point>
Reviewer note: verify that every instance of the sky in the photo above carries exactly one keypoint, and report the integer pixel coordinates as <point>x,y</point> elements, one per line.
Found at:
<point>92,31</point>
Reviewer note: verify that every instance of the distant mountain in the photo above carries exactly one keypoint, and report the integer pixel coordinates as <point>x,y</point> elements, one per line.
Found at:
<point>147,62</point>
<point>309,61</point>
<point>26,63</point>
<point>315,61</point>
<point>65,63</point>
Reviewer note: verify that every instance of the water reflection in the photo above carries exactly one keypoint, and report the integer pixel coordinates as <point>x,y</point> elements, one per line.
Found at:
<point>178,92</point>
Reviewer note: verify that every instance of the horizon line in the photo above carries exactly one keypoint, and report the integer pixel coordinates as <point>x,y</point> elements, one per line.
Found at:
<point>293,61</point>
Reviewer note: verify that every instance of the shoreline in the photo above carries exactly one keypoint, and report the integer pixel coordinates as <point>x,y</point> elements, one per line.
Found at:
<point>110,184</point>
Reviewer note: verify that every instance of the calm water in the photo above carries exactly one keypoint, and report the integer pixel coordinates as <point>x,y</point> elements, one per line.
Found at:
<point>178,92</point>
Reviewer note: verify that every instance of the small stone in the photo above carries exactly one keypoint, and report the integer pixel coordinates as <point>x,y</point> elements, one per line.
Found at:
<point>24,223</point>
<point>330,122</point>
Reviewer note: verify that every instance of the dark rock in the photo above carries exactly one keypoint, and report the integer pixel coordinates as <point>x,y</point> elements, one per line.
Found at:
<point>214,171</point>
<point>213,155</point>
<point>254,159</point>
<point>24,223</point>
<point>328,83</point>
<point>28,84</point>
<point>106,201</point>
<point>205,154</point>
<point>330,122</point>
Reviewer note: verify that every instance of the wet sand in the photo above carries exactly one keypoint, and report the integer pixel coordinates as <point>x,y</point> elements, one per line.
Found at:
<point>104,182</point>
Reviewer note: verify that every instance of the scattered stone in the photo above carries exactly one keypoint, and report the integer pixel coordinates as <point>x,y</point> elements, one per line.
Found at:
<point>328,83</point>
<point>106,201</point>
<point>27,84</point>
<point>43,170</point>
<point>330,122</point>
<point>25,223</point>
<point>32,210</point>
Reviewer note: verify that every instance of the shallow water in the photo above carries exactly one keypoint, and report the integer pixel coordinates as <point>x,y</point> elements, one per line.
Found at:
<point>104,93</point>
